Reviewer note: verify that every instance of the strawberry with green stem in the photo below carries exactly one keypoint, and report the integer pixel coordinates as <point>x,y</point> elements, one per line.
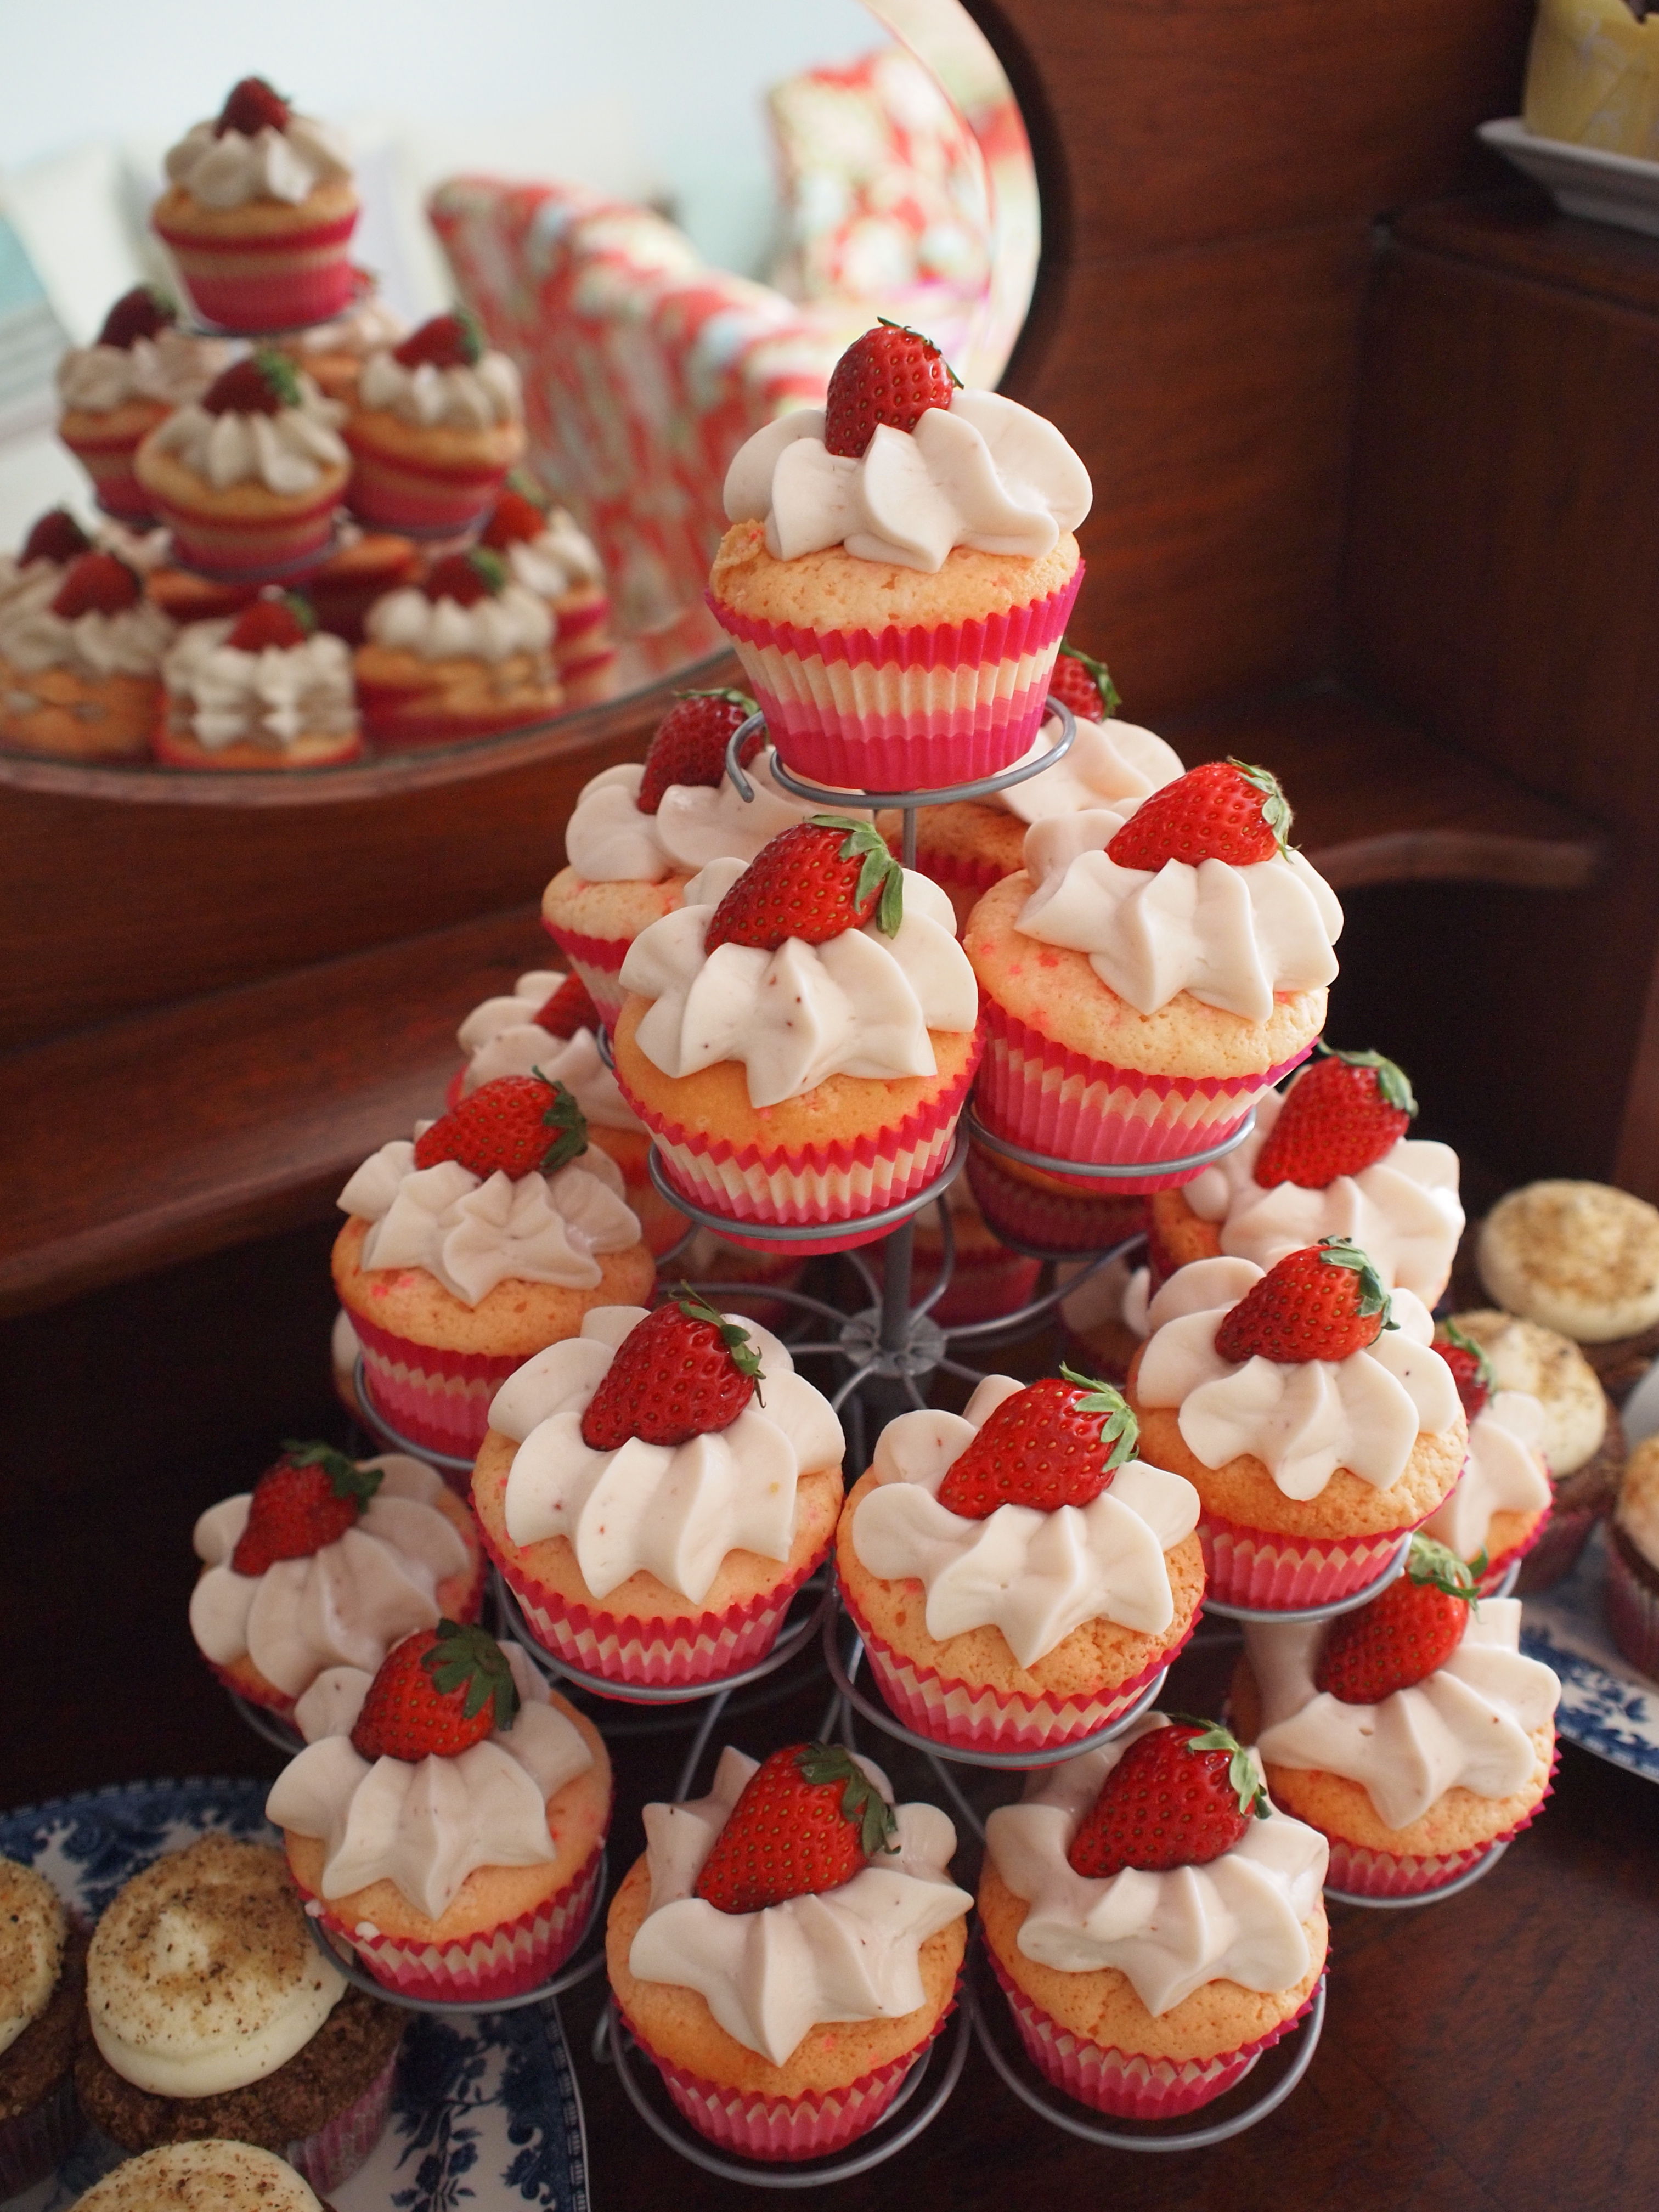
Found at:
<point>1325,1301</point>
<point>809,1820</point>
<point>435,1695</point>
<point>691,742</point>
<point>889,377</point>
<point>1341,1116</point>
<point>516,1125</point>
<point>1054,1443</point>
<point>1085,684</point>
<point>814,881</point>
<point>1472,1370</point>
<point>1180,1795</point>
<point>1405,1633</point>
<point>685,1370</point>
<point>1220,811</point>
<point>308,1498</point>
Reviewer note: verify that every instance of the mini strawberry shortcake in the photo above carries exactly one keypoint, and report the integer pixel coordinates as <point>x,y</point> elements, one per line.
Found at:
<point>1154,1923</point>
<point>115,391</point>
<point>333,353</point>
<point>1501,1505</point>
<point>437,421</point>
<point>267,689</point>
<point>81,671</point>
<point>549,555</point>
<point>462,653</point>
<point>447,1816</point>
<point>1310,1408</point>
<point>35,575</point>
<point>1411,1732</point>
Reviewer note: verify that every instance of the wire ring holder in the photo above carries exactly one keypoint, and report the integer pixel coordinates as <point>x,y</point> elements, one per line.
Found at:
<point>456,1471</point>
<point>1328,1611</point>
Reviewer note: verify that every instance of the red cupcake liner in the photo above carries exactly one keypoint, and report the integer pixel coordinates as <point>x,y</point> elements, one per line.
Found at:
<point>1364,1871</point>
<point>598,961</point>
<point>1065,1223</point>
<point>400,494</point>
<point>433,1397</point>
<point>36,2142</point>
<point>1561,1544</point>
<point>253,285</point>
<point>1270,1571</point>
<point>115,485</point>
<point>236,547</point>
<point>1498,1567</point>
<point>329,2158</point>
<point>1632,1611</point>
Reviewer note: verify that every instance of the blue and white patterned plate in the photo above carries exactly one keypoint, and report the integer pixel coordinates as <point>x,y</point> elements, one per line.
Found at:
<point>486,2114</point>
<point>1606,1705</point>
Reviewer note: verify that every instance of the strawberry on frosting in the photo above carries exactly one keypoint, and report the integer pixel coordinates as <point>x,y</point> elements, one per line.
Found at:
<point>140,354</point>
<point>262,420</point>
<point>611,838</point>
<point>91,618</point>
<point>513,1035</point>
<point>443,375</point>
<point>257,148</point>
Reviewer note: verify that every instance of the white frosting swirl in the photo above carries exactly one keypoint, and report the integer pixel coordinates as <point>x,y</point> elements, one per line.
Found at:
<point>92,645</point>
<point>345,1605</point>
<point>213,2175</point>
<point>287,451</point>
<point>502,1038</point>
<point>1403,1212</point>
<point>1239,1918</point>
<point>608,840</point>
<point>473,1233</point>
<point>465,398</point>
<point>562,557</point>
<point>1231,936</point>
<point>172,368</point>
<point>1035,1576</point>
<point>426,1827</point>
<point>271,697</point>
<point>846,1953</point>
<point>366,328</point>
<point>984,472</point>
<point>228,171</point>
<point>28,583</point>
<point>32,1932</point>
<point>1469,1725</point>
<point>671,1511</point>
<point>1108,763</point>
<point>492,629</point>
<point>861,1003</point>
<point>1301,1419</point>
<point>1504,1473</point>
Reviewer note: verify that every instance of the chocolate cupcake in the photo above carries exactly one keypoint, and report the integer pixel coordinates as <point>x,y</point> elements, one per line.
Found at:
<point>42,1974</point>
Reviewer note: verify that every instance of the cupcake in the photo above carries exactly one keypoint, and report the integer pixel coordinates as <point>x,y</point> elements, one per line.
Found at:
<point>1020,1573</point>
<point>1632,1587</point>
<point>436,423</point>
<point>211,2013</point>
<point>447,1816</point>
<point>81,672</point>
<point>114,392</point>
<point>36,575</point>
<point>1309,1409</point>
<point>462,653</point>
<point>1583,1259</point>
<point>328,1562</point>
<point>986,1279</point>
<point>788,1947</point>
<point>259,214</point>
<point>248,478</point>
<point>490,1237</point>
<point>266,689</point>
<point>1412,1732</point>
<point>1501,1506</point>
<point>1095,1317</point>
<point>803,1033</point>
<point>203,2177</point>
<point>1050,1213</point>
<point>548,554</point>
<point>899,570</point>
<point>726,1273</point>
<point>333,353</point>
<point>363,566</point>
<point>42,1974</point>
<point>656,1489</point>
<point>1153,1930</point>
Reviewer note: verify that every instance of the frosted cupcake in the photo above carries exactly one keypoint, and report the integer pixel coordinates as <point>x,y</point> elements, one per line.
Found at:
<point>1582,1258</point>
<point>42,1978</point>
<point>1154,1923</point>
<point>1632,1587</point>
<point>333,353</point>
<point>203,2177</point>
<point>447,1816</point>
<point>1049,1214</point>
<point>986,1279</point>
<point>803,1033</point>
<point>35,575</point>
<point>656,1489</point>
<point>899,571</point>
<point>488,1237</point>
<point>437,421</point>
<point>81,671</point>
<point>258,214</point>
<point>1308,1408</point>
<point>328,1562</point>
<point>114,392</point>
<point>1501,1506</point>
<point>266,689</point>
<point>788,1947</point>
<point>1020,1573</point>
<point>462,653</point>
<point>550,555</point>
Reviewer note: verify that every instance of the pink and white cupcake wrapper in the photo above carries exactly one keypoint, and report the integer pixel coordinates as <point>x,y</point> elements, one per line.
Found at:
<point>904,709</point>
<point>253,284</point>
<point>1066,1221</point>
<point>1362,1872</point>
<point>433,1397</point>
<point>1052,1100</point>
<point>1632,1612</point>
<point>598,961</point>
<point>329,2158</point>
<point>1273,1573</point>
<point>37,2141</point>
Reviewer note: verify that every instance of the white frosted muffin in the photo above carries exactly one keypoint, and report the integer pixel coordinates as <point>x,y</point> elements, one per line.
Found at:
<point>1580,1257</point>
<point>203,2177</point>
<point>40,2002</point>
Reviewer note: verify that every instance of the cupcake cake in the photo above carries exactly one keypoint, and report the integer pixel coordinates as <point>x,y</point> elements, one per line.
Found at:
<point>1412,1733</point>
<point>1309,1408</point>
<point>802,1033</point>
<point>1020,1573</point>
<point>656,1489</point>
<point>548,554</point>
<point>462,654</point>
<point>1583,1259</point>
<point>42,1975</point>
<point>328,1562</point>
<point>35,575</point>
<point>264,689</point>
<point>1153,1928</point>
<point>333,353</point>
<point>211,2013</point>
<point>488,1237</point>
<point>788,1947</point>
<point>81,671</point>
<point>436,423</point>
<point>114,392</point>
<point>215,2176</point>
<point>447,1817</point>
<point>258,214</point>
<point>1501,1506</point>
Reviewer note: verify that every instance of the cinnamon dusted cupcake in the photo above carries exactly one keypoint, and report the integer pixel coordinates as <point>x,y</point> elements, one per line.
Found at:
<point>1632,1590</point>
<point>266,688</point>
<point>436,423</point>
<point>203,2177</point>
<point>81,671</point>
<point>550,555</point>
<point>1582,1258</point>
<point>114,392</point>
<point>1501,1506</point>
<point>462,654</point>
<point>42,1975</point>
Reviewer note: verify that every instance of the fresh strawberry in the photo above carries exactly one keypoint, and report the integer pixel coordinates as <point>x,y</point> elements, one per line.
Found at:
<point>1054,1443</point>
<point>1472,1370</point>
<point>684,1371</point>
<point>251,108</point>
<point>139,314</point>
<point>1180,1795</point>
<point>263,383</point>
<point>285,621</point>
<point>435,1695</point>
<point>466,577</point>
<point>570,1008</point>
<point>1404,1634</point>
<point>1085,684</point>
<point>891,375</point>
<point>689,746</point>
<point>1222,810</point>
<point>97,584</point>
<point>1325,1301</point>
<point>1339,1118</point>
<point>310,1497</point>
<point>445,340</point>
<point>57,536</point>
<point>809,1820</point>
<point>515,521</point>
<point>813,881</point>
<point>518,1124</point>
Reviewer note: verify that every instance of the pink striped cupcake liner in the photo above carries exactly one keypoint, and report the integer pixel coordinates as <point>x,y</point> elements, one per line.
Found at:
<point>904,709</point>
<point>267,284</point>
<point>329,2158</point>
<point>1269,1571</point>
<point>1364,1872</point>
<point>1128,2085</point>
<point>432,1397</point>
<point>1042,1094</point>
<point>1064,1222</point>
<point>598,961</point>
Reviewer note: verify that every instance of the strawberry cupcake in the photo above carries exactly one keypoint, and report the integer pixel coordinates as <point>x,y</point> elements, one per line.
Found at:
<point>490,1237</point>
<point>1047,1213</point>
<point>787,1949</point>
<point>42,1983</point>
<point>549,555</point>
<point>114,392</point>
<point>215,2176</point>
<point>656,1489</point>
<point>248,478</point>
<point>447,1817</point>
<point>258,214</point>
<point>462,653</point>
<point>1412,1732</point>
<point>1501,1506</point>
<point>81,671</point>
<point>328,1562</point>
<point>802,1034</point>
<point>34,576</point>
<point>1151,1927</point>
<point>266,689</point>
<point>986,1279</point>
<point>437,422</point>
<point>1310,1409</point>
<point>1150,974</point>
<point>332,354</point>
<point>1020,1573</point>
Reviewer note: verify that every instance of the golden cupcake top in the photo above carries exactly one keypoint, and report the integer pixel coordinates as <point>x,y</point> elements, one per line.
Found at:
<point>1580,1257</point>
<point>33,1929</point>
<point>215,2176</point>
